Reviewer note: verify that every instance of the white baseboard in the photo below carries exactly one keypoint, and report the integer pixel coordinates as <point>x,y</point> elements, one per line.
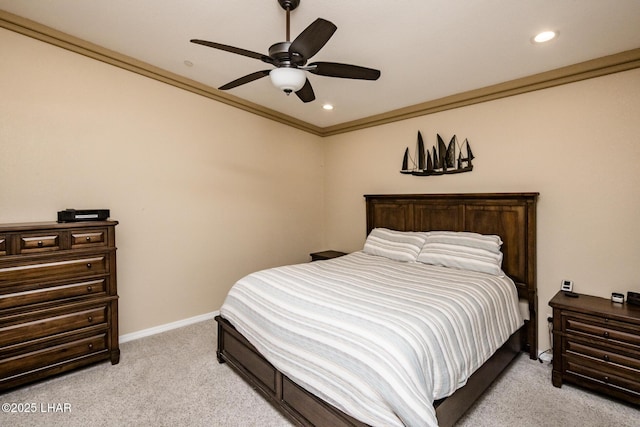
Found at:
<point>167,327</point>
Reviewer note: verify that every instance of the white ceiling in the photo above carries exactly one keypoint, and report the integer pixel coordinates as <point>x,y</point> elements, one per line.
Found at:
<point>425,49</point>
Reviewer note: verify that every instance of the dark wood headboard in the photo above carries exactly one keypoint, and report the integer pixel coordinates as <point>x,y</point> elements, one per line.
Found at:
<point>512,216</point>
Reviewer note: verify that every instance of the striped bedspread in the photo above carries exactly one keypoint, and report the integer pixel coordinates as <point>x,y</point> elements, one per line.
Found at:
<point>378,339</point>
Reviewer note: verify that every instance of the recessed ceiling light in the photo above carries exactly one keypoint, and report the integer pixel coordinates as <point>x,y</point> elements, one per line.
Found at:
<point>545,36</point>
<point>327,107</point>
<point>188,63</point>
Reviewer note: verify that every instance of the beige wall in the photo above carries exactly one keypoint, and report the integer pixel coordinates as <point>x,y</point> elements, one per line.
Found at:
<point>204,193</point>
<point>578,145</point>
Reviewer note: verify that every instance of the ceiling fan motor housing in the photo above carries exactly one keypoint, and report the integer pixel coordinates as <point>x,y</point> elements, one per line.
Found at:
<point>279,52</point>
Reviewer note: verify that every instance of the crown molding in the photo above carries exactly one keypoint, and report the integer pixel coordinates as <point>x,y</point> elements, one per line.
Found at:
<point>57,38</point>
<point>615,63</point>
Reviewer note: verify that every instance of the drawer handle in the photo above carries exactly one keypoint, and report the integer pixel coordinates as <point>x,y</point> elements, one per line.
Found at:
<point>606,357</point>
<point>90,346</point>
<point>40,243</point>
<point>89,289</point>
<point>606,379</point>
<point>88,265</point>
<point>88,239</point>
<point>606,334</point>
<point>90,319</point>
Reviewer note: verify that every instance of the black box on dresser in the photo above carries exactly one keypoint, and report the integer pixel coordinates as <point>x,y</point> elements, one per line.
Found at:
<point>58,299</point>
<point>596,344</point>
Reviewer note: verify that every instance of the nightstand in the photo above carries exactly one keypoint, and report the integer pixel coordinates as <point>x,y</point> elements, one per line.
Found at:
<point>596,345</point>
<point>320,256</point>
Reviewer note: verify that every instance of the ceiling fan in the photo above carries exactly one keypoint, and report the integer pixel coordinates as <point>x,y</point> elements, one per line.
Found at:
<point>290,59</point>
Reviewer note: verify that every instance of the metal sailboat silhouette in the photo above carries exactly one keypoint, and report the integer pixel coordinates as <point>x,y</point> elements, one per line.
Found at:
<point>438,161</point>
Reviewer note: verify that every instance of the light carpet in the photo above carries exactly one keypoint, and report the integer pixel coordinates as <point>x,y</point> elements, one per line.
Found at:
<point>174,379</point>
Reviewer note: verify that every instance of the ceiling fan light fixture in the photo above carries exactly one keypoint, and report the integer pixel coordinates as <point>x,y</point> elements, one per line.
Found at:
<point>288,79</point>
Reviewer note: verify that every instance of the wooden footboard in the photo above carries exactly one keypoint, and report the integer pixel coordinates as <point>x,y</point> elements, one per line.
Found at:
<point>297,404</point>
<point>305,409</point>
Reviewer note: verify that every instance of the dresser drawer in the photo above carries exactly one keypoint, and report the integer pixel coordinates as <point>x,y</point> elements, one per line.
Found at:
<point>41,293</point>
<point>97,264</point>
<point>601,327</point>
<point>22,329</point>
<point>39,242</point>
<point>3,244</point>
<point>50,356</point>
<point>88,238</point>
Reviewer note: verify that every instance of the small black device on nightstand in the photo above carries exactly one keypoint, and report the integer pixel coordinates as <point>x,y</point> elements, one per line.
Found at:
<point>633,298</point>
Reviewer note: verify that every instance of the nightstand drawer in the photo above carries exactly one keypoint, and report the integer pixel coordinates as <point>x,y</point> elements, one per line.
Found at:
<point>574,366</point>
<point>33,243</point>
<point>49,323</point>
<point>602,328</point>
<point>625,374</point>
<point>98,264</point>
<point>605,355</point>
<point>42,293</point>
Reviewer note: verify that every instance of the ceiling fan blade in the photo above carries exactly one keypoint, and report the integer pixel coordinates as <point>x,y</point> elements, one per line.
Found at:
<point>236,50</point>
<point>345,71</point>
<point>306,93</point>
<point>311,40</point>
<point>246,79</point>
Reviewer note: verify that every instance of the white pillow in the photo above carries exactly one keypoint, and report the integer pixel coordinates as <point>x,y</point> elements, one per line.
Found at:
<point>462,257</point>
<point>396,245</point>
<point>487,242</point>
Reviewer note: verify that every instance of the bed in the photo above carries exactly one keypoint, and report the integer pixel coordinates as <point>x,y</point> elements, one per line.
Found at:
<point>511,216</point>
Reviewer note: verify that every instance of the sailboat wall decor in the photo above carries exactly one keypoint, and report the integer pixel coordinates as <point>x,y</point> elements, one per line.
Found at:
<point>442,159</point>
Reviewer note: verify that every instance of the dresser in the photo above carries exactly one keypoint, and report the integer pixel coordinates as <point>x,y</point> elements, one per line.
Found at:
<point>58,299</point>
<point>596,344</point>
